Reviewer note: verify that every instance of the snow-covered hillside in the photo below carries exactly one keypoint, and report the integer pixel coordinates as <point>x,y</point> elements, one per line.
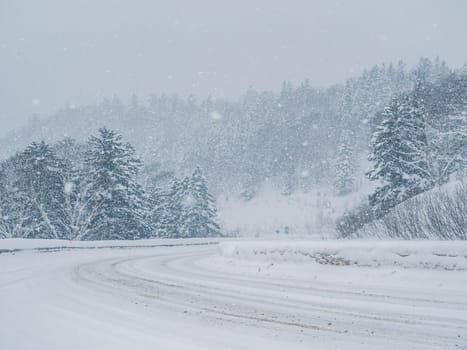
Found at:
<point>440,213</point>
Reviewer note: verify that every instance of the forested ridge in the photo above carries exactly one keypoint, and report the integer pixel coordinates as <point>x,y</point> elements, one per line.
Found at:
<point>403,129</point>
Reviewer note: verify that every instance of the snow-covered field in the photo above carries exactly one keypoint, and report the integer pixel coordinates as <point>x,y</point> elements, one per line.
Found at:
<point>196,294</point>
<point>270,213</point>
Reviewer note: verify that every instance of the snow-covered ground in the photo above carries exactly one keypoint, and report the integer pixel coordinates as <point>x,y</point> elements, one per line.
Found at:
<point>176,295</point>
<point>271,213</point>
<point>447,255</point>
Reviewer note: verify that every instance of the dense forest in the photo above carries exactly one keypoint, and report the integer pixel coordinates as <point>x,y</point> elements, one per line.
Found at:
<point>91,192</point>
<point>291,137</point>
<point>418,145</point>
<point>403,130</point>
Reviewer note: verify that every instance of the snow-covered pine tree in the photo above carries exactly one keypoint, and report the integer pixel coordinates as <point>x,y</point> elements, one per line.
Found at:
<point>158,213</point>
<point>78,211</point>
<point>14,211</point>
<point>174,215</point>
<point>40,189</point>
<point>199,209</point>
<point>5,206</point>
<point>191,210</point>
<point>399,155</point>
<point>445,104</point>
<point>460,126</point>
<point>454,135</point>
<point>345,167</point>
<point>117,200</point>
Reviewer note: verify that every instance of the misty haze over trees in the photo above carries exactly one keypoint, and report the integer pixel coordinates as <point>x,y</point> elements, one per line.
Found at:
<point>402,128</point>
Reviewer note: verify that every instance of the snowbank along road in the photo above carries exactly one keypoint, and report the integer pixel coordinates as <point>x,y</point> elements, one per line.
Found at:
<point>193,297</point>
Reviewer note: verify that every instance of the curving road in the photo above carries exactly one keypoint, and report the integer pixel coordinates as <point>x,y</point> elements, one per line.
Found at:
<point>188,297</point>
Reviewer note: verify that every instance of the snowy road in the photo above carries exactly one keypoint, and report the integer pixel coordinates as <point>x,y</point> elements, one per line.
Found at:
<point>190,297</point>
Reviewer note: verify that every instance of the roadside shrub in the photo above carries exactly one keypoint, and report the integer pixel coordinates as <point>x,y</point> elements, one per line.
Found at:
<point>354,220</point>
<point>440,213</point>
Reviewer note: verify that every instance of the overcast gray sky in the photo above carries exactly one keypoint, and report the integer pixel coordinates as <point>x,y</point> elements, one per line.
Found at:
<point>57,52</point>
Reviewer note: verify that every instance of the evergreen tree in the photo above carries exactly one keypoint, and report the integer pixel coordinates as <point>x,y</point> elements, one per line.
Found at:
<point>191,210</point>
<point>399,155</point>
<point>78,213</point>
<point>174,214</point>
<point>40,189</point>
<point>117,200</point>
<point>158,213</point>
<point>345,167</point>
<point>459,126</point>
<point>13,209</point>
<point>5,205</point>
<point>199,210</point>
<point>452,135</point>
<point>445,107</point>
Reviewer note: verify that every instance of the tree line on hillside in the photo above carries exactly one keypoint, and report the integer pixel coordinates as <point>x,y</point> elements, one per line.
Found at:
<point>92,192</point>
<point>419,143</point>
<point>299,138</point>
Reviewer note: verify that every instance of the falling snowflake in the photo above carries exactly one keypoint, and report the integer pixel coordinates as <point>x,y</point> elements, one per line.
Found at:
<point>215,115</point>
<point>188,202</point>
<point>68,188</point>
